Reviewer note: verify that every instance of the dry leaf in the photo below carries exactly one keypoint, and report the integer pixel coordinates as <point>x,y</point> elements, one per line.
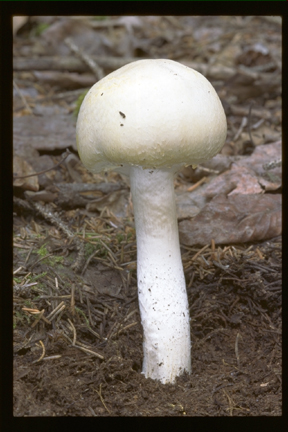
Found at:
<point>247,175</point>
<point>65,80</point>
<point>238,179</point>
<point>22,168</point>
<point>234,219</point>
<point>116,202</point>
<point>18,22</point>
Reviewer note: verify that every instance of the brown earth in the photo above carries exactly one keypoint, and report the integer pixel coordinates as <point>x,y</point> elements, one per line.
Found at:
<point>235,330</point>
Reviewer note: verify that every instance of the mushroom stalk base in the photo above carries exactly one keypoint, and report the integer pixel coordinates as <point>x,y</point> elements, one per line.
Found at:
<point>162,292</point>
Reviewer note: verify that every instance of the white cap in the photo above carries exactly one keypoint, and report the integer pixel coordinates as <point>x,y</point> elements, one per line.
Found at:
<point>150,113</point>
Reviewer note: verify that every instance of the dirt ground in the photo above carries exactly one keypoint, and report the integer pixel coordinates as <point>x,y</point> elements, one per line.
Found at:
<point>236,345</point>
<point>77,328</point>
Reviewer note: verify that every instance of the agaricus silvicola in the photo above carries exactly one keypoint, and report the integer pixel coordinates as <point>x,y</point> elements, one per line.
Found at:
<point>147,119</point>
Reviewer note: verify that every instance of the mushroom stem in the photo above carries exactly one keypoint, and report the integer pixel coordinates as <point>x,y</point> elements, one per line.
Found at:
<point>162,292</point>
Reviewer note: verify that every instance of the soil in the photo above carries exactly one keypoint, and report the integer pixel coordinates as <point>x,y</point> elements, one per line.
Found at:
<point>235,331</point>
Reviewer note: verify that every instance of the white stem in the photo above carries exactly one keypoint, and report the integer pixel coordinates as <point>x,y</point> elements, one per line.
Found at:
<point>161,284</point>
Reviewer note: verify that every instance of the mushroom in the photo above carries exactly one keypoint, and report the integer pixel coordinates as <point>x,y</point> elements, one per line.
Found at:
<point>147,119</point>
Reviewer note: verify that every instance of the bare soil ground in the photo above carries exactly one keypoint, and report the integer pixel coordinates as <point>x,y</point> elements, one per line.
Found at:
<point>236,343</point>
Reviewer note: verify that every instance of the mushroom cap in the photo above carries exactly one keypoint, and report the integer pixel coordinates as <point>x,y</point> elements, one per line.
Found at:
<point>150,113</point>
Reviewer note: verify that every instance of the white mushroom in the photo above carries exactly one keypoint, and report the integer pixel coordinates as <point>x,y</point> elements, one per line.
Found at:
<point>148,119</point>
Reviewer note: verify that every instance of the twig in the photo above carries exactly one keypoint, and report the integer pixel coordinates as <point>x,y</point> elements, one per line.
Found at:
<point>72,304</point>
<point>258,124</point>
<point>74,332</point>
<point>53,297</point>
<point>32,311</point>
<point>68,95</point>
<point>93,332</point>
<point>41,259</point>
<point>92,411</point>
<point>213,256</point>
<point>216,72</point>
<point>28,255</point>
<point>111,331</point>
<point>221,266</point>
<point>56,274</point>
<point>199,252</point>
<point>243,124</point>
<point>72,63</point>
<point>130,314</point>
<point>127,327</point>
<point>38,318</point>
<point>36,312</point>
<point>23,100</point>
<point>89,311</point>
<point>101,398</point>
<point>191,280</point>
<point>17,271</point>
<point>236,349</point>
<point>195,186</point>
<point>53,357</point>
<point>88,261</point>
<point>55,311</point>
<point>43,353</point>
<point>249,124</point>
<point>22,288</point>
<point>43,172</point>
<point>98,71</point>
<point>231,402</point>
<point>89,351</point>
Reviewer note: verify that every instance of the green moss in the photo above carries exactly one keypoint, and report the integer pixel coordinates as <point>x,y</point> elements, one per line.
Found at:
<point>89,249</point>
<point>99,18</point>
<point>34,278</point>
<point>129,235</point>
<point>20,318</point>
<point>83,314</point>
<point>17,280</point>
<point>79,103</point>
<point>51,260</point>
<point>119,237</point>
<point>39,29</point>
<point>42,251</point>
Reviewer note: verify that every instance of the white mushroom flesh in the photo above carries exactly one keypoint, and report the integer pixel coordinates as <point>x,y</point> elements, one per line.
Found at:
<point>162,292</point>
